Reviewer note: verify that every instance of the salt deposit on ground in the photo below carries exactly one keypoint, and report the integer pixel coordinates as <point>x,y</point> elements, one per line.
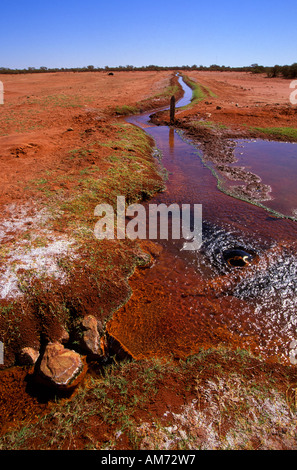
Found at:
<point>27,245</point>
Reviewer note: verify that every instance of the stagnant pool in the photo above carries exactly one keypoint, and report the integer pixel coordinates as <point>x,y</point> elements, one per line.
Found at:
<point>239,289</point>
<point>276,164</point>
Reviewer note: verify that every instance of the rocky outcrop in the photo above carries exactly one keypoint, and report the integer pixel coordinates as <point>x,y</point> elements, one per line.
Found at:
<point>60,367</point>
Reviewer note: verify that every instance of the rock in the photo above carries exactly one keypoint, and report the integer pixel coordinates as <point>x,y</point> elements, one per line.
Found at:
<point>60,367</point>
<point>92,341</point>
<point>64,336</point>
<point>28,356</point>
<point>144,259</point>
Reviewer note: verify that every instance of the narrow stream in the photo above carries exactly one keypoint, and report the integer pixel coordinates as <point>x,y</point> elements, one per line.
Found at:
<point>190,300</point>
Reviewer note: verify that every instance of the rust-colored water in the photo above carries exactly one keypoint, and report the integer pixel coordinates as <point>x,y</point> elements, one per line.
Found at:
<point>188,300</point>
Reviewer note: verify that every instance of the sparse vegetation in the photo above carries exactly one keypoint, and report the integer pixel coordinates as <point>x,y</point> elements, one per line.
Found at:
<point>198,91</point>
<point>217,399</point>
<point>126,110</point>
<point>209,124</point>
<point>287,132</point>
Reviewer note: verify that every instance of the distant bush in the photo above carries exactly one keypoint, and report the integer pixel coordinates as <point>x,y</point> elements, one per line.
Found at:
<point>258,68</point>
<point>285,71</point>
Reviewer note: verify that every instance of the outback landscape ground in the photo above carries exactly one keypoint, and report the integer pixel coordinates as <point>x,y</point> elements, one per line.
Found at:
<point>65,147</point>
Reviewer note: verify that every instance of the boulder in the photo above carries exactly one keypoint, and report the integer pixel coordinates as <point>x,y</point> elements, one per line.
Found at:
<point>63,336</point>
<point>28,356</point>
<point>60,367</point>
<point>92,341</point>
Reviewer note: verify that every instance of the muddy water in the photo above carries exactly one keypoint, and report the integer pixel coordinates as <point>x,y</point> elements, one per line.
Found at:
<point>193,299</point>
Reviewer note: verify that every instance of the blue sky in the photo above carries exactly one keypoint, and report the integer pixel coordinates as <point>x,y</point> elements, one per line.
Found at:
<point>95,32</point>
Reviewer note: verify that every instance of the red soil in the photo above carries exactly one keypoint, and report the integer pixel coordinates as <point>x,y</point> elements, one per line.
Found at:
<point>245,99</point>
<point>39,109</point>
<point>35,138</point>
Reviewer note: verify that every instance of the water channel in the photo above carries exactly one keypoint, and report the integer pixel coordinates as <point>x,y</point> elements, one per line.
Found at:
<point>207,298</point>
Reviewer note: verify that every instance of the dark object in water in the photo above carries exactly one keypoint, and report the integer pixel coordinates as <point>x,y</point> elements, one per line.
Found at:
<point>238,257</point>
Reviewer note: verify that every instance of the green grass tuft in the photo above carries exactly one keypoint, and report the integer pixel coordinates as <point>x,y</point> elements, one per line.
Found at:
<point>288,132</point>
<point>126,110</point>
<point>200,92</point>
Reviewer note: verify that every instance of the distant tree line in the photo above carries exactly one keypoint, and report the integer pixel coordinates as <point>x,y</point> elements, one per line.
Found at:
<point>92,68</point>
<point>285,71</point>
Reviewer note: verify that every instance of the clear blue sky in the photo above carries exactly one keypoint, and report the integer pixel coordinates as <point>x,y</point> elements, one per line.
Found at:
<point>94,32</point>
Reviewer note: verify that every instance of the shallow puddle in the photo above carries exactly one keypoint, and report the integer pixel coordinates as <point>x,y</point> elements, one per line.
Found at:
<point>193,299</point>
<point>276,164</point>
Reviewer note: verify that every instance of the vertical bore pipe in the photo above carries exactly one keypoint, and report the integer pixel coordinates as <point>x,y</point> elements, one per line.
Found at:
<point>172,109</point>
